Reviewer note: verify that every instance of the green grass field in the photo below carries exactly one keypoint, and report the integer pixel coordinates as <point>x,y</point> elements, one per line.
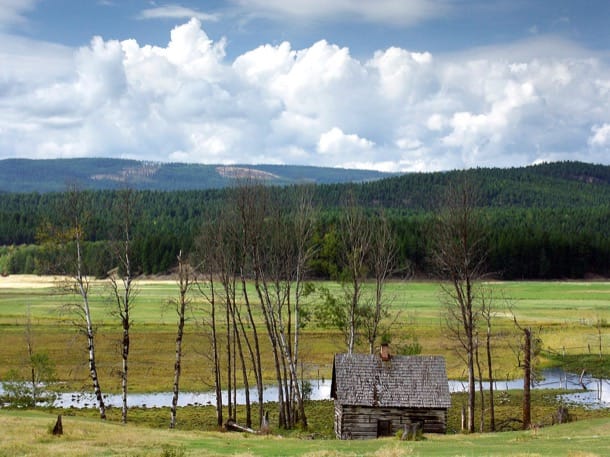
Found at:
<point>563,313</point>
<point>26,433</point>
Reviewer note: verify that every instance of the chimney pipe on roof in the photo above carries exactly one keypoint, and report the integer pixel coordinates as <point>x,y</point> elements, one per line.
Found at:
<point>385,352</point>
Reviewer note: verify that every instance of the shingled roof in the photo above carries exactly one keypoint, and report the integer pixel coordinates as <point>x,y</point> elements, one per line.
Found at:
<point>402,381</point>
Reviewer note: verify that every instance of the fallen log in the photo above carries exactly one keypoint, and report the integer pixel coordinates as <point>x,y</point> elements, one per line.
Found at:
<point>234,426</point>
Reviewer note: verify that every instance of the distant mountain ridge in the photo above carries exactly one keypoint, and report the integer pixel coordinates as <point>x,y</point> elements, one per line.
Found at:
<point>53,175</point>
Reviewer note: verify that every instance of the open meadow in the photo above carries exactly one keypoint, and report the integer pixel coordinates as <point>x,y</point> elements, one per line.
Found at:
<point>565,315</point>
<point>569,317</point>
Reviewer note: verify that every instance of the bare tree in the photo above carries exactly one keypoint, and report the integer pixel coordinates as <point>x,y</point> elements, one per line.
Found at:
<point>527,378</point>
<point>122,283</point>
<point>459,253</point>
<point>261,241</point>
<point>356,239</point>
<point>185,283</point>
<point>208,248</point>
<point>383,265</point>
<point>487,315</point>
<point>250,205</point>
<point>280,288</point>
<point>275,247</point>
<point>529,349</point>
<point>480,379</point>
<point>42,370</point>
<point>69,235</point>
<point>303,224</point>
<point>368,249</point>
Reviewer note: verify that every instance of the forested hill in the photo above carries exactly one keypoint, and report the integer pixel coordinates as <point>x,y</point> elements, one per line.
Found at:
<point>24,175</point>
<point>544,221</point>
<point>549,185</point>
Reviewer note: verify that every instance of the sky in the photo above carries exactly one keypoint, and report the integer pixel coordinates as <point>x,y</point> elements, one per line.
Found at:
<point>390,85</point>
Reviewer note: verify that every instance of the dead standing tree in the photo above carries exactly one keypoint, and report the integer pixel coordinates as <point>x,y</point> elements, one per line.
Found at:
<point>214,255</point>
<point>488,314</point>
<point>383,265</point>
<point>249,203</point>
<point>356,241</point>
<point>122,284</point>
<point>458,254</point>
<point>529,348</point>
<point>275,241</point>
<point>279,284</point>
<point>185,283</point>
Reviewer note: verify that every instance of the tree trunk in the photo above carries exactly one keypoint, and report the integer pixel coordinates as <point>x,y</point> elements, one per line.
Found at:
<point>75,233</point>
<point>492,409</point>
<point>217,374</point>
<point>125,355</point>
<point>91,348</point>
<point>177,369</point>
<point>481,389</point>
<point>93,369</point>
<point>123,288</point>
<point>229,367</point>
<point>184,282</point>
<point>527,378</point>
<point>471,390</point>
<point>256,356</point>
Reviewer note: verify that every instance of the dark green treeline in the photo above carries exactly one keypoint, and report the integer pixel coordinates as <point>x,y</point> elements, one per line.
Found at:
<point>544,222</point>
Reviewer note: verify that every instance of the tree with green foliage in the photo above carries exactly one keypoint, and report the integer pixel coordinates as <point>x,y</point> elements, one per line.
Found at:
<point>33,391</point>
<point>366,247</point>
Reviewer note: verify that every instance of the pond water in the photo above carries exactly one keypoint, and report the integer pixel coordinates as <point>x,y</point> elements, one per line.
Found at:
<point>320,390</point>
<point>597,393</point>
<point>593,392</point>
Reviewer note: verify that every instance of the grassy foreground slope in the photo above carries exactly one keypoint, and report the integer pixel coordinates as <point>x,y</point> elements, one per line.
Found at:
<point>27,433</point>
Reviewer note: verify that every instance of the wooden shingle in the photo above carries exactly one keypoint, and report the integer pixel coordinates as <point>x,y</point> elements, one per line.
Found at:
<point>401,382</point>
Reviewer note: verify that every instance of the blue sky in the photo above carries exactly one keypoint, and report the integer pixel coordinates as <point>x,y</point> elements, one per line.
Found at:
<point>396,85</point>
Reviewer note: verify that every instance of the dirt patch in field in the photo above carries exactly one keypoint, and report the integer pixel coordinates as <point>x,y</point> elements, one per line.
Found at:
<point>27,281</point>
<point>41,282</point>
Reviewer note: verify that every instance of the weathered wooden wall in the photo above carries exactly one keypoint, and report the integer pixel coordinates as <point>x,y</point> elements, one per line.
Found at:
<point>360,422</point>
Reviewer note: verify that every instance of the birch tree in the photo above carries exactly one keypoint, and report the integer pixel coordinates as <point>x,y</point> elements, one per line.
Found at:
<point>122,283</point>
<point>68,234</point>
<point>185,283</point>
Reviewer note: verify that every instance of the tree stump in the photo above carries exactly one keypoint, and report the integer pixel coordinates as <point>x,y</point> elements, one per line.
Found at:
<point>265,427</point>
<point>562,416</point>
<point>412,431</point>
<point>58,430</point>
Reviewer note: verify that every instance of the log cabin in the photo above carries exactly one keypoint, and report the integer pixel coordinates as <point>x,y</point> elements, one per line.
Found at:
<point>379,395</point>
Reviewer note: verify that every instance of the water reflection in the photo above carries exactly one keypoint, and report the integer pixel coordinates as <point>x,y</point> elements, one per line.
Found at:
<point>597,393</point>
<point>320,390</point>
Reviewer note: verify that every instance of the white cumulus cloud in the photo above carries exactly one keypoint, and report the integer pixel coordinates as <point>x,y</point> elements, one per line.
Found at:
<point>336,142</point>
<point>393,110</point>
<point>601,136</point>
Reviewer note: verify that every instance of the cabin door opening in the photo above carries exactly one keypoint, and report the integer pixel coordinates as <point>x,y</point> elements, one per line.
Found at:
<point>384,428</point>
